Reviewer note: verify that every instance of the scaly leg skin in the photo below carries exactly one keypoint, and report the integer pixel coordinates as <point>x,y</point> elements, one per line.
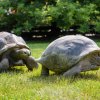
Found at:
<point>4,64</point>
<point>82,66</point>
<point>19,63</point>
<point>45,71</point>
<point>72,71</point>
<point>30,63</point>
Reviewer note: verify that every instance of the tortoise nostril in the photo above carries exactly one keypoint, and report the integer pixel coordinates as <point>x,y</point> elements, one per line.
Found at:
<point>25,52</point>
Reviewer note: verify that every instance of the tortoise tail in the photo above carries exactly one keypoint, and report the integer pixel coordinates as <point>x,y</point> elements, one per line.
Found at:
<point>40,60</point>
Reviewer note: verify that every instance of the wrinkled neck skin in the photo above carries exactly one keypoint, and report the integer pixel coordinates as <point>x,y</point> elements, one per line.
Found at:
<point>95,59</point>
<point>89,62</point>
<point>14,55</point>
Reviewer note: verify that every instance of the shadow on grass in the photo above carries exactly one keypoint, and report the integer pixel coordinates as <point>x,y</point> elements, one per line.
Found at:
<point>12,70</point>
<point>54,78</point>
<point>58,78</point>
<point>44,79</point>
<point>85,76</point>
<point>88,76</point>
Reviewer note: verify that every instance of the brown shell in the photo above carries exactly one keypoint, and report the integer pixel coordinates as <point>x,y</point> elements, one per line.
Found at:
<point>8,41</point>
<point>67,51</point>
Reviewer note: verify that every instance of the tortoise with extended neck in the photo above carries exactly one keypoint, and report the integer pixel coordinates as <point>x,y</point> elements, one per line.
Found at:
<point>70,55</point>
<point>14,52</point>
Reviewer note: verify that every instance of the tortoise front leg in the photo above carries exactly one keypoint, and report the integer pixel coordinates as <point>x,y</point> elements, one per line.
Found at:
<point>73,71</point>
<point>19,63</point>
<point>45,71</point>
<point>4,64</point>
<point>80,68</point>
<point>30,63</point>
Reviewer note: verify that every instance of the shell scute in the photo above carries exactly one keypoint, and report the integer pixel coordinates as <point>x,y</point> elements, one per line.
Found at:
<point>8,41</point>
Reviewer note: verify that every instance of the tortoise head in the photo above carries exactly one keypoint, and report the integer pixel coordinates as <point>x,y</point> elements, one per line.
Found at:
<point>21,53</point>
<point>94,58</point>
<point>25,55</point>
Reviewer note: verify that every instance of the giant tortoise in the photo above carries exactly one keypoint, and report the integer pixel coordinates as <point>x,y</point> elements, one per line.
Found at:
<point>70,55</point>
<point>14,52</point>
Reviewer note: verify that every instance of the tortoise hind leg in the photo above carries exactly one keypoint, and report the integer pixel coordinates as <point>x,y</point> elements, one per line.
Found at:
<point>4,64</point>
<point>45,71</point>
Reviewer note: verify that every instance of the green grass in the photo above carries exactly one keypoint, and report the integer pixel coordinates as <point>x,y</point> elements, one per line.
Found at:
<point>19,84</point>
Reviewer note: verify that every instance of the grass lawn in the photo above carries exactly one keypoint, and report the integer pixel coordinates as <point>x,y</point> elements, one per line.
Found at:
<point>19,84</point>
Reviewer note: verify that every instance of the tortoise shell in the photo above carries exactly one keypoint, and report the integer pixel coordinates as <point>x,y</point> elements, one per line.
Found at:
<point>65,52</point>
<point>9,41</point>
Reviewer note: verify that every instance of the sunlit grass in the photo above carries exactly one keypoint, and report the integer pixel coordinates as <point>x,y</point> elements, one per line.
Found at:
<point>19,84</point>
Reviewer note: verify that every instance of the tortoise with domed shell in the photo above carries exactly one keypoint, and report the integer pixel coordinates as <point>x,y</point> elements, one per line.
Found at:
<point>14,52</point>
<point>70,55</point>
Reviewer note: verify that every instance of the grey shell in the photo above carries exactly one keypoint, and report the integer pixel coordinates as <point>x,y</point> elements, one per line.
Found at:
<point>66,51</point>
<point>8,41</point>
